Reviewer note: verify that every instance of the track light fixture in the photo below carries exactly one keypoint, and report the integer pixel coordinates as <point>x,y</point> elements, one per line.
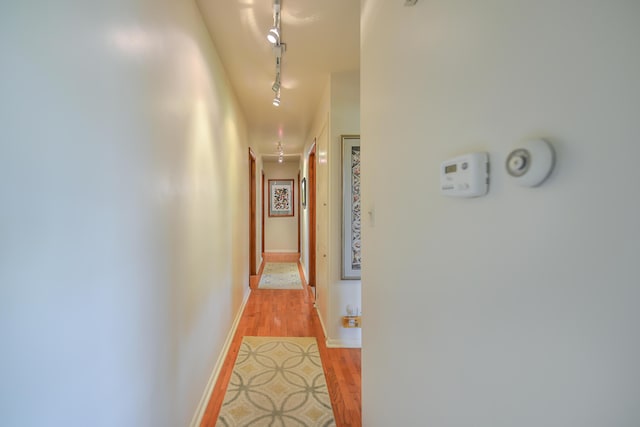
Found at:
<point>274,32</point>
<point>276,84</point>
<point>280,152</point>
<point>278,48</point>
<point>273,35</point>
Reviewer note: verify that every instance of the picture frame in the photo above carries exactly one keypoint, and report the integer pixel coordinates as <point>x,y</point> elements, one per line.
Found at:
<point>303,193</point>
<point>281,197</point>
<point>351,208</point>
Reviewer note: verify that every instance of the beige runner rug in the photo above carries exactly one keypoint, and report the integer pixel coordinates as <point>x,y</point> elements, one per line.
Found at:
<point>280,275</point>
<point>277,381</point>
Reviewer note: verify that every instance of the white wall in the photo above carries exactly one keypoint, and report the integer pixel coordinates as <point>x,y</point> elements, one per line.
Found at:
<point>338,114</point>
<point>345,120</point>
<point>123,180</point>
<point>518,308</point>
<point>259,203</point>
<point>281,233</point>
<point>320,121</point>
<point>318,129</point>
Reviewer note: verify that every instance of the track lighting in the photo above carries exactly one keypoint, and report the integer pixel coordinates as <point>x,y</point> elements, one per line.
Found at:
<point>280,152</point>
<point>273,36</point>
<point>278,48</point>
<point>276,87</point>
<point>276,83</point>
<point>274,32</point>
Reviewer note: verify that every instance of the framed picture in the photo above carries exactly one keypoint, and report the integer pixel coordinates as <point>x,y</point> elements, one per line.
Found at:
<point>303,193</point>
<point>351,208</point>
<point>281,197</point>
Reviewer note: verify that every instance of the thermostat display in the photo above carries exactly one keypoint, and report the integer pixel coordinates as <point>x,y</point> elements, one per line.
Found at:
<point>465,176</point>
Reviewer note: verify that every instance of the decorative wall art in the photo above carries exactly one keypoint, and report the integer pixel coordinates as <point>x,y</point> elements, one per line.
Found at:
<point>351,214</point>
<point>281,197</point>
<point>303,193</point>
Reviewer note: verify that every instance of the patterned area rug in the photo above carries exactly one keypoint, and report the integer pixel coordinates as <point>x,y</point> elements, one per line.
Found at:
<point>277,381</point>
<point>280,275</point>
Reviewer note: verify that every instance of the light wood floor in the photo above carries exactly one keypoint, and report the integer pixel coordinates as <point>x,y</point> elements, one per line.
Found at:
<point>290,313</point>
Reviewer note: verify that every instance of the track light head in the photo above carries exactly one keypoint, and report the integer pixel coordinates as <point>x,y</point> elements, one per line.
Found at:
<point>274,36</point>
<point>280,149</point>
<point>276,99</point>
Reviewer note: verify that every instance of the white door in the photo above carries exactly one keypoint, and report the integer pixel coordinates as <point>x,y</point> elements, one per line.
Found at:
<point>322,223</point>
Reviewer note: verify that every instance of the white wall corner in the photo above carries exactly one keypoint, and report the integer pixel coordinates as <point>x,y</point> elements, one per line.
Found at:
<point>213,378</point>
<point>324,330</point>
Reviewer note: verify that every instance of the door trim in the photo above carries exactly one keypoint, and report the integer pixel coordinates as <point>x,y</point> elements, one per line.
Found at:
<point>252,213</point>
<point>299,209</point>
<point>262,209</point>
<point>312,214</point>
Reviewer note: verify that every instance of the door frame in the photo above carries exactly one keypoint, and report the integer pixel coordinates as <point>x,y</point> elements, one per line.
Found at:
<point>299,209</point>
<point>253,270</point>
<point>311,203</point>
<point>262,210</point>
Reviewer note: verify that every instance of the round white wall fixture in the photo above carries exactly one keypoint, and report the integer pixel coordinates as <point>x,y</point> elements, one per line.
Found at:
<point>531,163</point>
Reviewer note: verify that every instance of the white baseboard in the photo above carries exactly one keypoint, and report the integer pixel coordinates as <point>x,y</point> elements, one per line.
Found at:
<point>337,343</point>
<point>204,401</point>
<point>341,343</point>
<point>324,330</point>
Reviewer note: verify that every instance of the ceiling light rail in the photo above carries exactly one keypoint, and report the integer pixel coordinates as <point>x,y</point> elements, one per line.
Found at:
<point>274,37</point>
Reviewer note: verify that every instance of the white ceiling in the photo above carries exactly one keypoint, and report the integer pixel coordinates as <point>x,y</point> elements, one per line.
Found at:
<point>321,37</point>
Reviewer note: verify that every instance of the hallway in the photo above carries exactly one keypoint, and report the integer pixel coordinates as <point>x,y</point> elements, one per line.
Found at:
<point>125,186</point>
<point>290,313</point>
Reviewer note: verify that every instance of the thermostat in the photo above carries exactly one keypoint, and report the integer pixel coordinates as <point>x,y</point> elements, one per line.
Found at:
<point>465,176</point>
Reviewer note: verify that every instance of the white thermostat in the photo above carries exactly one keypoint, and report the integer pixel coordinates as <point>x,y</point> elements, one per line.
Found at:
<point>465,176</point>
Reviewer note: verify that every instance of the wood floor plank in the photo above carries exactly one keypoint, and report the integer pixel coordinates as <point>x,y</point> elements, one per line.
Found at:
<point>275,312</point>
